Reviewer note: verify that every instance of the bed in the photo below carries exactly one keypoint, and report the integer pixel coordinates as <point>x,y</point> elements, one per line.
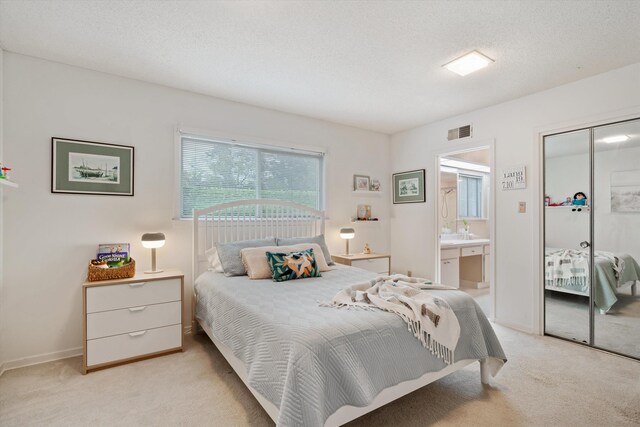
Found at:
<point>307,364</point>
<point>567,270</point>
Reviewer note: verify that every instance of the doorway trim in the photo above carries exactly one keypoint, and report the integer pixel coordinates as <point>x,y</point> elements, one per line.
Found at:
<point>464,148</point>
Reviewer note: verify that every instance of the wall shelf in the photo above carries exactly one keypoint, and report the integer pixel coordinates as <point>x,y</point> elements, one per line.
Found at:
<point>366,193</point>
<point>8,183</point>
<point>567,206</point>
<point>584,208</point>
<point>355,221</point>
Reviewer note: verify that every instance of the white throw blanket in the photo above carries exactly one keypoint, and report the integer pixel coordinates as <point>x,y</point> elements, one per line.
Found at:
<point>428,317</point>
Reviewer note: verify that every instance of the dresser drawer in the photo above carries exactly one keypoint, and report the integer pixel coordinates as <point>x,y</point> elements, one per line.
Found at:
<point>115,322</point>
<point>449,253</point>
<point>472,250</point>
<point>125,346</point>
<point>113,297</point>
<point>377,265</point>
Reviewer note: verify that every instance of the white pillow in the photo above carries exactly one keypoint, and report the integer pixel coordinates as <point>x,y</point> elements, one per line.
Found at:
<point>214,260</point>
<point>257,266</point>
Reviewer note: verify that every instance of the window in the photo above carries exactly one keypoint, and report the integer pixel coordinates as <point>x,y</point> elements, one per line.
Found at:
<point>469,196</point>
<point>214,172</point>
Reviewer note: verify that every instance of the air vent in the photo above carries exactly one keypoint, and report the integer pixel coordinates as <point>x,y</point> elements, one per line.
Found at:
<point>457,133</point>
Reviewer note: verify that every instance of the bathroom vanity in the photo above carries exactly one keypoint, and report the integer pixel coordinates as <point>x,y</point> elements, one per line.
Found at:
<point>465,263</point>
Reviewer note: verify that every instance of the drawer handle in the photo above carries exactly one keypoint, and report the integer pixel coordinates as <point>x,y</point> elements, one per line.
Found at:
<point>134,309</point>
<point>137,334</point>
<point>135,285</point>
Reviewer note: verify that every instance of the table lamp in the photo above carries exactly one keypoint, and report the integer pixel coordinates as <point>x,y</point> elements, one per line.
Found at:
<point>347,234</point>
<point>153,241</point>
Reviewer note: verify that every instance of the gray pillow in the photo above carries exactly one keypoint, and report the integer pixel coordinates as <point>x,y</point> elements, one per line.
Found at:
<point>317,239</point>
<point>230,257</point>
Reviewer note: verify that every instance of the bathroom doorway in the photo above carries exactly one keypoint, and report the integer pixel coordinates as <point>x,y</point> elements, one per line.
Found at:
<point>465,209</point>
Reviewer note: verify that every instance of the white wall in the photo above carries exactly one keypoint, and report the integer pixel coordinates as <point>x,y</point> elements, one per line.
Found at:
<point>515,126</point>
<point>565,176</point>
<point>49,238</point>
<point>613,232</point>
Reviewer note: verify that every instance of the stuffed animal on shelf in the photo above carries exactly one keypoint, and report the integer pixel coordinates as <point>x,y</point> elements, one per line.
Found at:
<point>579,199</point>
<point>367,249</point>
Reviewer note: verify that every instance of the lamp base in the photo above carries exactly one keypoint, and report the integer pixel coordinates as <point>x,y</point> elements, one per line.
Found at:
<point>153,271</point>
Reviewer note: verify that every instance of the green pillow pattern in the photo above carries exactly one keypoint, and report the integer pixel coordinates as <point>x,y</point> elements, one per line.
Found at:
<point>293,265</point>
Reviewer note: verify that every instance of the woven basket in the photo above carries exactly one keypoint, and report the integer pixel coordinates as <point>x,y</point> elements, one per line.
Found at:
<point>124,272</point>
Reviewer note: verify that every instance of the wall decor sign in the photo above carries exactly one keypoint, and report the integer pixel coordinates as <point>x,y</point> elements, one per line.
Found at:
<point>514,178</point>
<point>625,191</point>
<point>408,187</point>
<point>85,167</point>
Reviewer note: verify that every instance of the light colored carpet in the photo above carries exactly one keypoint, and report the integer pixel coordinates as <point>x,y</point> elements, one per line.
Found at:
<point>619,330</point>
<point>547,382</point>
<point>482,298</point>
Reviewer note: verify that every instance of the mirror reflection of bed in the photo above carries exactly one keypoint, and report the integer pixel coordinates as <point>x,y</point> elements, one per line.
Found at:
<point>609,220</point>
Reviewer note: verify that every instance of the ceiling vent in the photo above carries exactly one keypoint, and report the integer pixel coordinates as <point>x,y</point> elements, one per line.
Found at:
<point>461,132</point>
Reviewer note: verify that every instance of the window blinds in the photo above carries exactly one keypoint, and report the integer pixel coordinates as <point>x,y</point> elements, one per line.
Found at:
<point>215,172</point>
<point>469,196</point>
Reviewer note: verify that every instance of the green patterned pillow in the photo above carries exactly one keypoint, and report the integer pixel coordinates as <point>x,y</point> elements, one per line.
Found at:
<point>293,265</point>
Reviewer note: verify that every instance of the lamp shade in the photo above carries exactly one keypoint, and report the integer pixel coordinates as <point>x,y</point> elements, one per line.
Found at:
<point>347,233</point>
<point>153,240</point>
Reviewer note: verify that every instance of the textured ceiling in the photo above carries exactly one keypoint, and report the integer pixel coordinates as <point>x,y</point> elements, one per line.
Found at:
<point>373,65</point>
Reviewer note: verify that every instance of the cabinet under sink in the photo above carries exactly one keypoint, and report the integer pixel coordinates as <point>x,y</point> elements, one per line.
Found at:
<point>466,264</point>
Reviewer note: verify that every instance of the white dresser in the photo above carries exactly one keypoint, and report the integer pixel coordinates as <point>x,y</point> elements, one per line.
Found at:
<point>378,263</point>
<point>132,319</point>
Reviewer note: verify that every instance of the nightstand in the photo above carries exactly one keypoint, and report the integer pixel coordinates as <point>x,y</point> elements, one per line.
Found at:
<point>378,263</point>
<point>131,319</point>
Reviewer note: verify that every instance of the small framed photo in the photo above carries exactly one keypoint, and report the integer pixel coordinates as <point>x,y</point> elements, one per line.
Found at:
<point>361,183</point>
<point>85,167</point>
<point>408,187</point>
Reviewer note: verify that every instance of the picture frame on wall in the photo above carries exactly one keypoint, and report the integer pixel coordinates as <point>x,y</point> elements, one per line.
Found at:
<point>409,187</point>
<point>361,183</point>
<point>87,167</point>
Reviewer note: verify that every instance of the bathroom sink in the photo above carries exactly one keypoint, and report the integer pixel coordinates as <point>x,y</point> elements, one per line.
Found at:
<point>463,242</point>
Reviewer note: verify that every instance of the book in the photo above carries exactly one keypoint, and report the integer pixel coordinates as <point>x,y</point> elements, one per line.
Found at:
<point>114,254</point>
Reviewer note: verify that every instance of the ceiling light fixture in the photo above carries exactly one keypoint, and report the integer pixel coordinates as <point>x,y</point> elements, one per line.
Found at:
<point>614,139</point>
<point>467,64</point>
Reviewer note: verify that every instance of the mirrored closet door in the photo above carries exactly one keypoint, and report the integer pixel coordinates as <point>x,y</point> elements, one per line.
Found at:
<point>592,236</point>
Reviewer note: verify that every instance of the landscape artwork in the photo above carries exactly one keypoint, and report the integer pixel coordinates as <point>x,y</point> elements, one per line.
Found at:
<point>408,187</point>
<point>625,192</point>
<point>85,167</point>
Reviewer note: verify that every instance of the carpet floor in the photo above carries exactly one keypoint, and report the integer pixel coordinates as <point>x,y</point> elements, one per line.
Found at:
<point>567,316</point>
<point>547,382</point>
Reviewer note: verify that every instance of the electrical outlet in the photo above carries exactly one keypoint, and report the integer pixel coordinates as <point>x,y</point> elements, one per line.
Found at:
<point>522,207</point>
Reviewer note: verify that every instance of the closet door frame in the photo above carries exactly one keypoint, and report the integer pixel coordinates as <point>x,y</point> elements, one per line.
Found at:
<point>592,196</point>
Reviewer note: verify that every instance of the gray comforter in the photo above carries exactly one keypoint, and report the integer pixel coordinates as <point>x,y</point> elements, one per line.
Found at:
<point>308,360</point>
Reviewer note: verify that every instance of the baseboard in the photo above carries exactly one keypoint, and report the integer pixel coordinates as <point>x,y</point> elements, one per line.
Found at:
<point>513,326</point>
<point>50,357</point>
<point>40,358</point>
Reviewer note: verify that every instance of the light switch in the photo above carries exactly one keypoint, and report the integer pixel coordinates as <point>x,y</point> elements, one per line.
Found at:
<point>522,207</point>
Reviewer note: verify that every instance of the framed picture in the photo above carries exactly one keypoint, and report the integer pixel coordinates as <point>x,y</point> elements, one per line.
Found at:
<point>408,187</point>
<point>85,167</point>
<point>361,183</point>
<point>364,212</point>
<point>625,191</point>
